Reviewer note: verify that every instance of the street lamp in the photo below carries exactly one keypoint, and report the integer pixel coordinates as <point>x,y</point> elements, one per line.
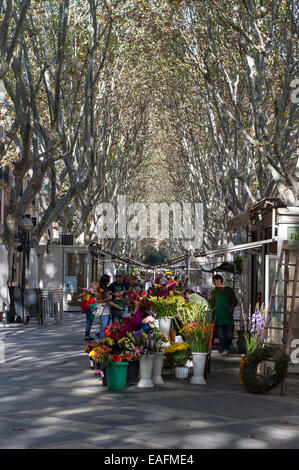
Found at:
<point>25,226</point>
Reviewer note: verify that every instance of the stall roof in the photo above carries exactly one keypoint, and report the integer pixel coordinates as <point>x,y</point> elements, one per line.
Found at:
<point>93,246</point>
<point>225,266</point>
<point>234,248</point>
<point>245,218</point>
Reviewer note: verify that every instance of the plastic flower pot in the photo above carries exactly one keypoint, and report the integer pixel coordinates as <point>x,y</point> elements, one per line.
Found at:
<point>133,370</point>
<point>146,369</point>
<point>117,376</point>
<point>199,362</point>
<point>157,368</point>
<point>181,372</point>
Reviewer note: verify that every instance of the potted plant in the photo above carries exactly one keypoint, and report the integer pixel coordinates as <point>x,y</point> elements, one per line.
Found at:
<point>198,335</point>
<point>159,340</point>
<point>133,364</point>
<point>166,308</point>
<point>177,356</point>
<point>191,312</point>
<point>258,353</point>
<point>116,365</point>
<point>141,345</point>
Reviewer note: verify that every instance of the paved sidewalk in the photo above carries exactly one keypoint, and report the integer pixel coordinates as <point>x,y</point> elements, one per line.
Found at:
<point>50,398</point>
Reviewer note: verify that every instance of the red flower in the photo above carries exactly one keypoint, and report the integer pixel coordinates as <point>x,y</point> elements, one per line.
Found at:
<point>115,358</point>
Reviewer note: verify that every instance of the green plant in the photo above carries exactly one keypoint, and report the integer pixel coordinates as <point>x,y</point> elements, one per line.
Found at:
<point>239,263</point>
<point>255,327</point>
<point>191,312</point>
<point>167,306</point>
<point>198,335</point>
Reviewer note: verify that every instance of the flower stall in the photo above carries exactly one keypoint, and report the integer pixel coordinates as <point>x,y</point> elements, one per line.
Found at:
<point>135,342</point>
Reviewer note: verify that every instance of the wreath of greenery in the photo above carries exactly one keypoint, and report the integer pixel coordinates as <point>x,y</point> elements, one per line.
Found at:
<point>263,384</point>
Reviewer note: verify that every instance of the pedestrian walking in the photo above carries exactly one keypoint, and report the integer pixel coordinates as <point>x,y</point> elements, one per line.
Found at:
<point>223,301</point>
<point>88,303</point>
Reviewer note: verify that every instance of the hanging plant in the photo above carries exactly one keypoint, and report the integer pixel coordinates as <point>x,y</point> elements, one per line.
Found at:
<point>239,263</point>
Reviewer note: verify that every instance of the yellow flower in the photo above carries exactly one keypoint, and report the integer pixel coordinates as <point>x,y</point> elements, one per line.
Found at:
<point>162,337</point>
<point>176,347</point>
<point>92,352</point>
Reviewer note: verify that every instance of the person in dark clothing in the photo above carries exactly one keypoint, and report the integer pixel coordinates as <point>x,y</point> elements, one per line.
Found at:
<point>118,290</point>
<point>223,301</point>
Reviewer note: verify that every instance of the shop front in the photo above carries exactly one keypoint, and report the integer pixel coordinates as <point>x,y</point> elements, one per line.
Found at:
<point>67,269</point>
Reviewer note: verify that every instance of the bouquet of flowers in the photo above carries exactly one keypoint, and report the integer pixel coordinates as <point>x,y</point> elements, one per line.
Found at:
<point>88,300</point>
<point>148,323</point>
<point>138,343</point>
<point>90,346</point>
<point>132,298</point>
<point>157,287</point>
<point>105,355</point>
<point>158,339</point>
<point>191,312</point>
<point>113,331</point>
<point>198,335</point>
<point>255,328</point>
<point>167,306</point>
<point>178,354</point>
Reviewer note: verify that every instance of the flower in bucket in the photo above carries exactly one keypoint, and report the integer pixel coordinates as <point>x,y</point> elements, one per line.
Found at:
<point>90,347</point>
<point>139,343</point>
<point>178,354</point>
<point>198,335</point>
<point>255,327</point>
<point>167,306</point>
<point>113,331</point>
<point>115,358</point>
<point>159,340</point>
<point>106,356</point>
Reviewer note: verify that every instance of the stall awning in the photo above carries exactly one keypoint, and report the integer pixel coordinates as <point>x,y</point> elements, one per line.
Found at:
<point>226,267</point>
<point>234,248</point>
<point>97,249</point>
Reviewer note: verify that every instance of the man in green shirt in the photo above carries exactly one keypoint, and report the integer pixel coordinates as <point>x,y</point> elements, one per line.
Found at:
<point>223,301</point>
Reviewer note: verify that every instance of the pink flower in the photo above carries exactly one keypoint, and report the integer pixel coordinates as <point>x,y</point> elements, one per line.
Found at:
<point>148,319</point>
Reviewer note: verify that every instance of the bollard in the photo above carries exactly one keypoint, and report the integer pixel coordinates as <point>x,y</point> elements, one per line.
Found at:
<point>58,313</point>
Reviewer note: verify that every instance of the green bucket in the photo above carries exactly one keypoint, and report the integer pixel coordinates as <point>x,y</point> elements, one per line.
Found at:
<point>117,376</point>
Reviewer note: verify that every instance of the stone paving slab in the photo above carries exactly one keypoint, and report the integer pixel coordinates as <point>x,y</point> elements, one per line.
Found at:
<point>51,399</point>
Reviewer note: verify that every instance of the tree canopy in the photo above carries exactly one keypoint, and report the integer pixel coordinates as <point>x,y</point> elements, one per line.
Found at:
<point>163,101</point>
